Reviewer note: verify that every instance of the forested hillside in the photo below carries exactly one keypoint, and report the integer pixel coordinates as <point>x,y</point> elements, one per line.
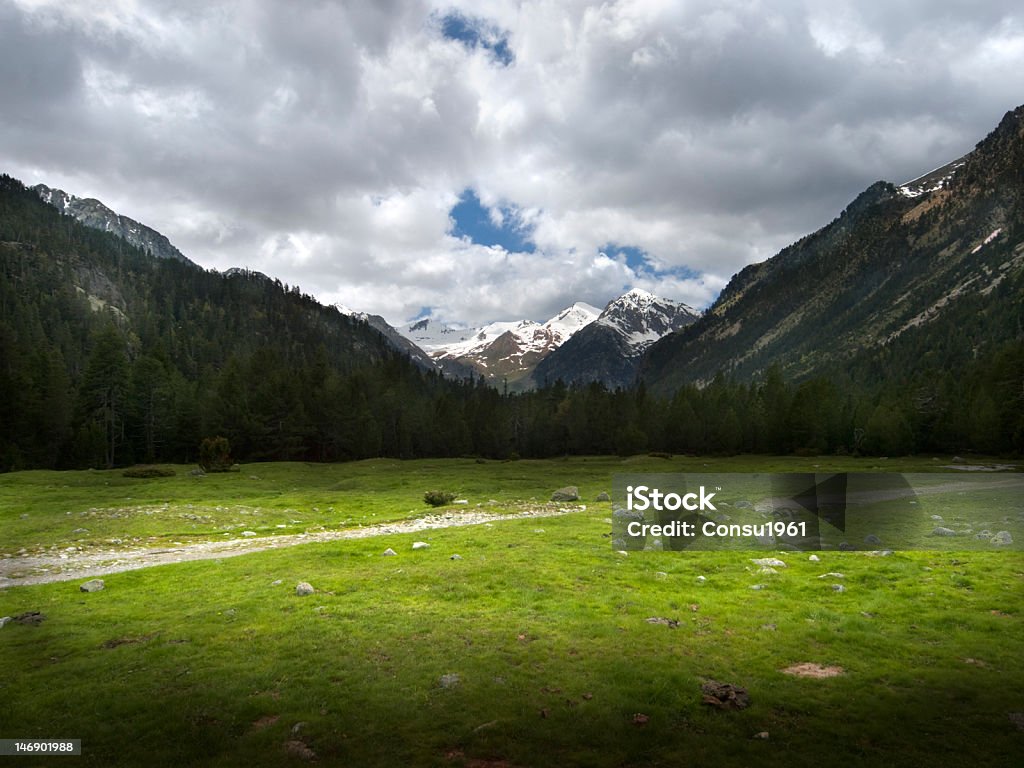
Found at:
<point>109,357</point>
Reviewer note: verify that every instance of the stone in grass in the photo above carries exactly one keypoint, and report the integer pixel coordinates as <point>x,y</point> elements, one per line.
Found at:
<point>568,493</point>
<point>757,586</point>
<point>941,531</point>
<point>248,534</point>
<point>456,556</point>
<point>724,695</point>
<point>814,558</point>
<point>701,579</point>
<point>603,497</point>
<point>304,589</point>
<point>420,545</point>
<point>771,562</point>
<point>1003,537</point>
<point>449,681</point>
<point>93,585</point>
<point>832,575</point>
<point>5,620</point>
<point>767,570</point>
<point>389,552</point>
<point>872,540</point>
<point>838,588</point>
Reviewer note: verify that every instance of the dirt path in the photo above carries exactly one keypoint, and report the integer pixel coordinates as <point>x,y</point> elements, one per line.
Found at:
<point>44,569</point>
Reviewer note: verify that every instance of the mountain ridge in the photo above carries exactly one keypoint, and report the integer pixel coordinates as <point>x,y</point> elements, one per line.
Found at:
<point>897,258</point>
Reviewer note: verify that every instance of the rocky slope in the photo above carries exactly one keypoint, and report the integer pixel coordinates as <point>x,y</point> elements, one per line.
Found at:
<point>936,266</point>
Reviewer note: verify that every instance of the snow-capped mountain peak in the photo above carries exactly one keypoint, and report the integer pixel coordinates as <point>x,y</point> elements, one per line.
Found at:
<point>642,318</point>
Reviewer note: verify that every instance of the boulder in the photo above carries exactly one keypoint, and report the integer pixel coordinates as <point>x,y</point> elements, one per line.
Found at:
<point>304,589</point>
<point>568,493</point>
<point>93,585</point>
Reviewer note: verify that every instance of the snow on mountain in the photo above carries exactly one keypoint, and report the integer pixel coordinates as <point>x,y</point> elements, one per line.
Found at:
<point>452,341</point>
<point>642,318</point>
<point>609,349</point>
<point>931,181</point>
<point>503,350</point>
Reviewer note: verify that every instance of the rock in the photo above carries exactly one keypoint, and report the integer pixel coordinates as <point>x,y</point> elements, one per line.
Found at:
<point>814,558</point>
<point>838,588</point>
<point>1003,537</point>
<point>724,695</point>
<point>602,497</point>
<point>757,586</point>
<point>772,562</point>
<point>5,620</point>
<point>420,545</point>
<point>957,459</point>
<point>461,501</point>
<point>845,546</point>
<point>276,583</point>
<point>197,473</point>
<point>568,493</point>
<point>832,575</point>
<point>940,531</point>
<point>456,556</point>
<point>872,540</point>
<point>701,579</point>
<point>766,570</point>
<point>763,735</point>
<point>93,585</point>
<point>450,680</point>
<point>937,518</point>
<point>660,575</point>
<point>30,618</point>
<point>304,588</point>
<point>743,504</point>
<point>389,552</point>
<point>248,534</point>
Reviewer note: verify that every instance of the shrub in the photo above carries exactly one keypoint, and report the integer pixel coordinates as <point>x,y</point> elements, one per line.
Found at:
<point>215,454</point>
<point>147,471</point>
<point>438,498</point>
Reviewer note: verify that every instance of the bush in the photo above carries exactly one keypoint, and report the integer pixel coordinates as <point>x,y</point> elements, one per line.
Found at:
<point>147,471</point>
<point>438,498</point>
<point>215,455</point>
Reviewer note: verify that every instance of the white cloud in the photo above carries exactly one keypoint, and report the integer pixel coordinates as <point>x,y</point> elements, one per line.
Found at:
<point>326,143</point>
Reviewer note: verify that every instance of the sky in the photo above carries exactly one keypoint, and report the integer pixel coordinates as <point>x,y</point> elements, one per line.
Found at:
<point>487,160</point>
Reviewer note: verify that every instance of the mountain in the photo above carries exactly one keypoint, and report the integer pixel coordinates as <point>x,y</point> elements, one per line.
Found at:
<point>610,349</point>
<point>417,355</point>
<point>505,353</point>
<point>93,213</point>
<point>111,356</point>
<point>926,276</point>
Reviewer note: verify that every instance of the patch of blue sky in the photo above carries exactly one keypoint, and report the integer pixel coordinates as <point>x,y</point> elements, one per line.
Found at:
<point>484,227</point>
<point>644,265</point>
<point>475,32</point>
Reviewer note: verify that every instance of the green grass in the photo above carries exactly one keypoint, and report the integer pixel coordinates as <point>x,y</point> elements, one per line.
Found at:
<point>213,664</point>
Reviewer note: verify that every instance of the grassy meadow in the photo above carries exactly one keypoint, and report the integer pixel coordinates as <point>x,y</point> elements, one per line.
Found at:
<point>533,648</point>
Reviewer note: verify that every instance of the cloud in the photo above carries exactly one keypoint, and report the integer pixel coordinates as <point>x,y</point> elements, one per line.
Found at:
<point>328,143</point>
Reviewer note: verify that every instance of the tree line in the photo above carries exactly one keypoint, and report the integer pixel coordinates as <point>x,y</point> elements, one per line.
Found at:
<point>110,357</point>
